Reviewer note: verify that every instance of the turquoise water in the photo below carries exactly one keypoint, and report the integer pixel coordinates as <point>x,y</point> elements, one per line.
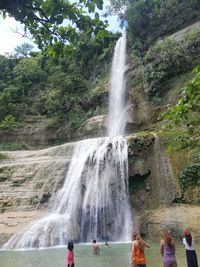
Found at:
<point>117,255</point>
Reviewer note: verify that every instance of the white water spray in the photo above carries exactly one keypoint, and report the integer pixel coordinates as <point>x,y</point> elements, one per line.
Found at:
<point>117,112</point>
<point>93,202</point>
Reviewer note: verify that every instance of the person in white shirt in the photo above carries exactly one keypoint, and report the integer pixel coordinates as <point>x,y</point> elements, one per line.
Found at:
<point>190,250</point>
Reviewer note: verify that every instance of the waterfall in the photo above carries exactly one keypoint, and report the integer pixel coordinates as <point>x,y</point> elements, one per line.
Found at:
<point>93,202</point>
<point>117,112</point>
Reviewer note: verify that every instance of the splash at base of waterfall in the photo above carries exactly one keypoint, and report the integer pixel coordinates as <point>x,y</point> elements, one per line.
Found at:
<point>93,202</point>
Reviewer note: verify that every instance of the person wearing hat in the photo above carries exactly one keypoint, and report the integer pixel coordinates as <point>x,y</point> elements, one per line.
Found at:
<point>191,255</point>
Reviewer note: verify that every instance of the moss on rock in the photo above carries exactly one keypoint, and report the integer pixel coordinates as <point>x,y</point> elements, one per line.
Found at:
<point>139,143</point>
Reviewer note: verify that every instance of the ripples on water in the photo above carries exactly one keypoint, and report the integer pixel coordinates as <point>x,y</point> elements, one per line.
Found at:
<point>117,255</point>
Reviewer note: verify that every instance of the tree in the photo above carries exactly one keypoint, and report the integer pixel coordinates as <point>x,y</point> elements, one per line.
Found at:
<point>153,19</point>
<point>6,66</point>
<point>46,19</point>
<point>27,73</point>
<point>118,7</point>
<point>23,50</point>
<point>187,104</point>
<point>90,53</point>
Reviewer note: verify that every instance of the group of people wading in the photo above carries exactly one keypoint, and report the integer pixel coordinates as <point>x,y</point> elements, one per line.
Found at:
<point>167,250</point>
<point>138,259</point>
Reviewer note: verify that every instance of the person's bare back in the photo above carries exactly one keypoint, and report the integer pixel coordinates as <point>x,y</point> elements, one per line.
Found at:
<point>95,247</point>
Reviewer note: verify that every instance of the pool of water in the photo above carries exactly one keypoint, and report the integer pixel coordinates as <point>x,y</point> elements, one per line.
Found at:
<point>117,255</point>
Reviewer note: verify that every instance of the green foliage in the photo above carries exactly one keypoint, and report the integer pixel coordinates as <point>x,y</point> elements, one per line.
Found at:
<point>91,53</point>
<point>61,89</point>
<point>153,19</point>
<point>8,122</point>
<point>180,139</point>
<point>76,117</point>
<point>6,67</point>
<point>18,91</point>
<point>187,104</point>
<point>168,59</point>
<point>190,175</point>
<point>45,19</point>
<point>26,73</point>
<point>68,92</point>
<point>118,7</point>
<point>10,102</point>
<point>174,140</point>
<point>3,156</point>
<point>12,146</point>
<point>197,154</point>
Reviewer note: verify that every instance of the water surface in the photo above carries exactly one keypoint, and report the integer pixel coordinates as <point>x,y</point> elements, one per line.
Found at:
<point>117,255</point>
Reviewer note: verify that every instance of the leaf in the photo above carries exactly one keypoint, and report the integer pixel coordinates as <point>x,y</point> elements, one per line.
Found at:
<point>96,16</point>
<point>91,7</point>
<point>100,4</point>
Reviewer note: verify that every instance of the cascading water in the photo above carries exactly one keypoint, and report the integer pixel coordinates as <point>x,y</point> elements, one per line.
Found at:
<point>93,202</point>
<point>117,113</point>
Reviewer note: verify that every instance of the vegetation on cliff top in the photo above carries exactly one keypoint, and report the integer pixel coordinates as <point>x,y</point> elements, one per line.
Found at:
<point>150,20</point>
<point>57,83</point>
<point>168,59</point>
<point>161,59</point>
<point>64,82</point>
<point>58,88</point>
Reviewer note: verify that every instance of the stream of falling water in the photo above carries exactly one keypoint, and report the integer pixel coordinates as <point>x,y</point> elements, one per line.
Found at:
<point>94,201</point>
<point>117,116</point>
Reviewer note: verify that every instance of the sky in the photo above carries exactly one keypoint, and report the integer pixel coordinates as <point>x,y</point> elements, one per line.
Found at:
<point>10,31</point>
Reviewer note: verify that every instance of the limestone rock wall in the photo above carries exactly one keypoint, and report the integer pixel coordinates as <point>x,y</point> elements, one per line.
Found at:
<point>27,181</point>
<point>155,191</point>
<point>29,178</point>
<point>175,217</point>
<point>33,134</point>
<point>150,174</point>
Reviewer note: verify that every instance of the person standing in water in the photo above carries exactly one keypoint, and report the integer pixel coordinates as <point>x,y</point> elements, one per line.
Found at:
<point>137,251</point>
<point>167,250</point>
<point>191,255</point>
<point>107,245</point>
<point>95,247</point>
<point>70,254</point>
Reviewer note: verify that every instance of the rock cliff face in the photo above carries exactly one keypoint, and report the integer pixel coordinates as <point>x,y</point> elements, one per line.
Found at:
<point>174,217</point>
<point>29,178</point>
<point>27,181</point>
<point>155,190</point>
<point>93,127</point>
<point>33,134</point>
